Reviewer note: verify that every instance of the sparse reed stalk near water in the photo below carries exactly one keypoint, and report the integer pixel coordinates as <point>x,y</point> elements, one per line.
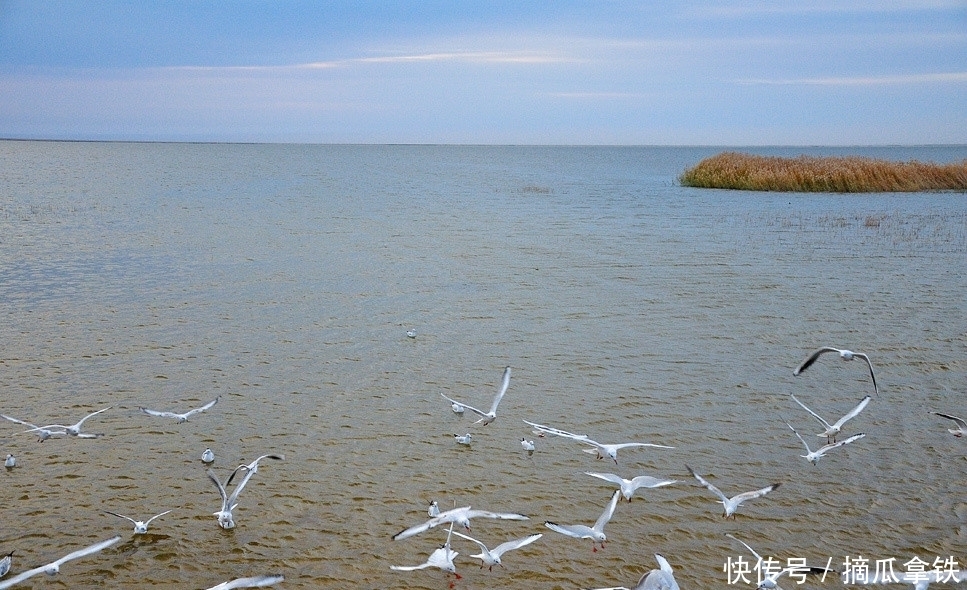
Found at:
<point>852,174</point>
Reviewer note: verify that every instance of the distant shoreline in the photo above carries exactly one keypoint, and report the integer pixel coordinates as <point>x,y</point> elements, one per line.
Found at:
<point>849,174</point>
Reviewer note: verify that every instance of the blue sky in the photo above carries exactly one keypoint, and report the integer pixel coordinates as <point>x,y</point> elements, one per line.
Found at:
<point>744,72</point>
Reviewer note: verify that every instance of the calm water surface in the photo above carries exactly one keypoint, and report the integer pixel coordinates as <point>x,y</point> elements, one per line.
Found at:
<point>284,278</point>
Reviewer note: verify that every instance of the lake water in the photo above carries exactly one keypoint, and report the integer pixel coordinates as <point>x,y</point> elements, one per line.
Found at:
<point>283,278</point>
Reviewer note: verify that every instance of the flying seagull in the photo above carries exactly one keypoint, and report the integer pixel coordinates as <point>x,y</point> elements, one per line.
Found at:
<point>491,557</point>
<point>140,526</point>
<point>181,417</point>
<point>599,449</point>
<point>659,579</point>
<point>73,429</point>
<point>43,433</point>
<point>442,558</point>
<point>732,504</point>
<point>961,424</point>
<point>460,516</point>
<point>596,532</point>
<point>629,486</point>
<point>487,417</point>
<point>846,355</point>
<point>814,456</point>
<point>54,567</point>
<point>833,429</point>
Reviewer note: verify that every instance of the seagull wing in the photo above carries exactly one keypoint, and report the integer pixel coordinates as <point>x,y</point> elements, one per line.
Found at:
<point>852,413</point>
<point>82,420</point>
<point>499,515</point>
<point>557,431</point>
<point>826,448</point>
<point>515,544</point>
<point>754,494</point>
<point>156,516</point>
<point>86,551</point>
<point>812,358</point>
<point>620,446</point>
<point>960,421</point>
<point>221,489</point>
<point>253,582</point>
<point>578,531</point>
<point>201,409</point>
<point>870,365</point>
<point>503,390</point>
<point>122,516</point>
<point>647,481</point>
<point>608,512</point>
<point>814,414</point>
<point>471,408</point>
<point>744,544</point>
<point>705,483</point>
<point>12,419</point>
<point>616,479</point>
<point>800,440</point>
<point>469,538</point>
<point>160,414</point>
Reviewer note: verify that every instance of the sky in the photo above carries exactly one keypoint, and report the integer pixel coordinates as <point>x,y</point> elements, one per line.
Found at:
<point>615,72</point>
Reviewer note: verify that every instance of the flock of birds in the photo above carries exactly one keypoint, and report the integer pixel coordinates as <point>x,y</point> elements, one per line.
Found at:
<point>224,516</point>
<point>442,558</point>
<point>661,578</point>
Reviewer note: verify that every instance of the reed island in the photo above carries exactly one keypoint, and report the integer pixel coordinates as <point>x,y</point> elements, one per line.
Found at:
<point>852,174</point>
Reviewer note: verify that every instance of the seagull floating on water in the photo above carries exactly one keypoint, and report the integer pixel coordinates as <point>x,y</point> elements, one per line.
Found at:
<point>433,510</point>
<point>659,579</point>
<point>814,456</point>
<point>460,516</point>
<point>411,333</point>
<point>596,532</point>
<point>487,417</point>
<point>140,526</point>
<point>833,429</point>
<point>208,456</point>
<point>491,557</point>
<point>181,417</point>
<point>961,424</point>
<point>629,486</point>
<point>10,461</point>
<point>732,504</point>
<point>846,355</point>
<point>463,439</point>
<point>253,582</point>
<point>457,408</point>
<point>43,433</point>
<point>527,445</point>
<point>54,567</point>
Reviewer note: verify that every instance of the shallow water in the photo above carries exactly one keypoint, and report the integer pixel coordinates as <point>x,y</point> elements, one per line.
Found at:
<point>284,278</point>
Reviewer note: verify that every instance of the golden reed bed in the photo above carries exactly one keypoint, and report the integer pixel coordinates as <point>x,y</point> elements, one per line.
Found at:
<point>851,174</point>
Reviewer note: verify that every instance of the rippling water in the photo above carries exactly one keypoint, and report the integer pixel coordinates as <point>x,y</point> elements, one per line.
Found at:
<point>284,278</point>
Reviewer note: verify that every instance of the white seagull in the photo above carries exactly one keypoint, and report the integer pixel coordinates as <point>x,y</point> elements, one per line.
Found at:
<point>769,582</point>
<point>140,526</point>
<point>224,516</point>
<point>846,355</point>
<point>596,532</point>
<point>599,449</point>
<point>457,408</point>
<point>814,456</point>
<point>433,510</point>
<point>487,417</point>
<point>460,516</point>
<point>463,439</point>
<point>527,445</point>
<point>491,557</point>
<point>253,582</point>
<point>74,429</point>
<point>10,461</point>
<point>732,504</point>
<point>442,557</point>
<point>43,433</point>
<point>629,486</point>
<point>208,456</point>
<point>659,579</point>
<point>181,417</point>
<point>961,424</point>
<point>52,568</point>
<point>833,429</point>
<point>5,564</point>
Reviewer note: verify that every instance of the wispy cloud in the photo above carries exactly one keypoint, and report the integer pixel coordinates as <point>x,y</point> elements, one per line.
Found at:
<point>943,77</point>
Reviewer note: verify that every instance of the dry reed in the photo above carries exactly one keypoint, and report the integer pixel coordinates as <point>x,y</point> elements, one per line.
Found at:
<point>851,174</point>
